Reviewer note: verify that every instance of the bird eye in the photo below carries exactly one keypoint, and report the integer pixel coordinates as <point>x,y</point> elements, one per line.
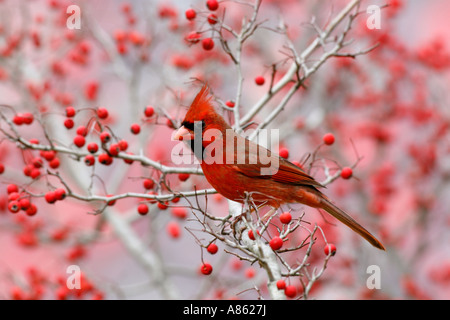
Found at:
<point>188,125</point>
<point>194,125</point>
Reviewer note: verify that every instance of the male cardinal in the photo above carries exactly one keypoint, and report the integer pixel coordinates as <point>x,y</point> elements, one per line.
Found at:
<point>237,180</point>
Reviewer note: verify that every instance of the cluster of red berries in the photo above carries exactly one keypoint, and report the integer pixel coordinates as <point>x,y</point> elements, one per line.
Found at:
<point>33,168</point>
<point>289,290</point>
<point>20,201</point>
<point>26,118</point>
<point>111,150</point>
<point>212,18</point>
<point>132,39</point>
<point>87,288</point>
<point>206,268</point>
<point>55,195</point>
<point>36,283</point>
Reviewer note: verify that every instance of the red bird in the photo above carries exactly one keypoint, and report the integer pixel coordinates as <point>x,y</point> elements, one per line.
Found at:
<point>236,168</point>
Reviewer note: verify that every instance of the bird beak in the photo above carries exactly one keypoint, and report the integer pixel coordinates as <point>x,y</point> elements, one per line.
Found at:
<point>182,134</point>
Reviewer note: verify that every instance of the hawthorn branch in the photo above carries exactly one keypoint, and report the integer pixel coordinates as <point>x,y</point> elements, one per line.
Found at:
<point>134,245</point>
<point>300,59</point>
<point>78,154</point>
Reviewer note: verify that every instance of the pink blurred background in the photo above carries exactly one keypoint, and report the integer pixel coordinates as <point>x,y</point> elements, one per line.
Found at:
<point>416,264</point>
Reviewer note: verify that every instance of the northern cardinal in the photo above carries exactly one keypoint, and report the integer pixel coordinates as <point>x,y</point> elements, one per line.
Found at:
<point>237,180</point>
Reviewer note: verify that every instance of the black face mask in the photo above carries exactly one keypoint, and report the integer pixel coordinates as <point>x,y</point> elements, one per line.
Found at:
<point>196,144</point>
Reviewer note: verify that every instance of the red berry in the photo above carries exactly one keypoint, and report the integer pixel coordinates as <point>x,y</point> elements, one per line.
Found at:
<point>328,139</point>
<point>54,164</point>
<point>212,5</point>
<point>173,229</point>
<point>193,37</point>
<point>32,210</point>
<point>122,48</point>
<point>92,147</point>
<point>79,141</point>
<point>105,159</point>
<point>149,111</point>
<point>230,104</point>
<point>82,131</point>
<point>212,248</point>
<point>24,203</point>
<point>208,44</point>
<point>50,197</point>
<point>2,168</point>
<point>135,128</point>
<point>120,35</point>
<point>27,169</point>
<point>260,80</point>
<point>17,293</point>
<point>142,209</point>
<point>346,173</point>
<point>190,14</point>
<point>70,112</point>
<point>212,19</point>
<point>163,206</point>
<point>14,206</point>
<point>285,217</point>
<point>102,113</point>
<point>13,196</point>
<point>89,160</point>
<point>48,155</point>
<point>27,118</point>
<point>136,38</point>
<point>175,200</point>
<point>329,249</point>
<point>35,173</point>
<point>250,273</point>
<point>281,284</point>
<point>284,153</point>
<point>148,184</point>
<point>114,149</point>
<point>290,291</point>
<point>37,162</point>
<point>105,137</point>
<point>60,194</point>
<point>62,293</point>
<point>123,145</point>
<point>18,119</point>
<point>11,188</point>
<point>110,202</point>
<point>179,212</point>
<point>128,161</point>
<point>276,243</point>
<point>206,269</point>
<point>68,123</point>
<point>183,176</point>
<point>251,235</point>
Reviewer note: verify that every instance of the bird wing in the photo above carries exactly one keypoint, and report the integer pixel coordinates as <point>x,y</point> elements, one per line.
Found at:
<point>263,164</point>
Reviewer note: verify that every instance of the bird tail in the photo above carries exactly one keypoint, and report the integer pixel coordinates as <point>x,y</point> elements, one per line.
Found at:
<point>350,222</point>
